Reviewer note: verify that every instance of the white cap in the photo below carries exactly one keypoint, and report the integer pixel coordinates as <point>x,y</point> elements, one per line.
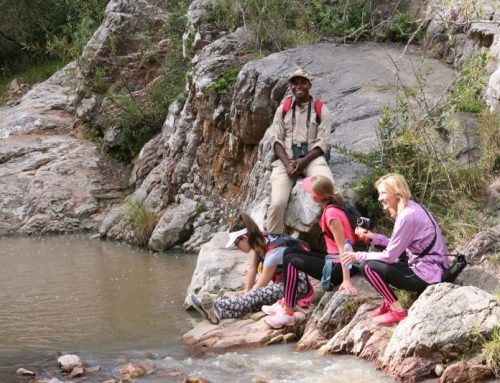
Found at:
<point>233,236</point>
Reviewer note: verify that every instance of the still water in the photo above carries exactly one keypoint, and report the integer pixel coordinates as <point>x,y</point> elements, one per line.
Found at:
<point>111,304</point>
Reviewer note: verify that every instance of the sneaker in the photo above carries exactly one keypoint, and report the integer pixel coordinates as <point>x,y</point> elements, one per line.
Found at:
<point>382,309</point>
<point>280,320</point>
<point>390,317</point>
<point>206,307</point>
<point>273,309</point>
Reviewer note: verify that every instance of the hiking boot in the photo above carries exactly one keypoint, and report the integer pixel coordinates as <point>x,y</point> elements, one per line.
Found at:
<point>206,307</point>
<point>390,317</point>
<point>382,309</point>
<point>195,301</point>
<point>273,309</point>
<point>280,320</point>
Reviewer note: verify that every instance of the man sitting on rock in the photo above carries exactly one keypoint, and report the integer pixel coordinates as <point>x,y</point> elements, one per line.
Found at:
<point>300,136</point>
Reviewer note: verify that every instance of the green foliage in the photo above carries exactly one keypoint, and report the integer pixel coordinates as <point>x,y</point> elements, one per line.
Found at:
<point>33,30</point>
<point>411,145</point>
<point>225,81</point>
<point>467,92</point>
<point>406,298</point>
<point>140,115</point>
<point>495,258</point>
<point>400,27</point>
<point>92,134</point>
<point>29,72</point>
<point>491,351</point>
<point>200,208</point>
<point>350,307</point>
<point>282,24</point>
<point>142,220</point>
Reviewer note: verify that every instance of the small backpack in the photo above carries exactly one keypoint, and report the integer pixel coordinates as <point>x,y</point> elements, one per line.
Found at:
<point>318,105</point>
<point>280,240</point>
<point>352,214</point>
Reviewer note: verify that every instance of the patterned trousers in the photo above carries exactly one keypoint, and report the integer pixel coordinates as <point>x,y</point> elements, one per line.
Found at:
<point>253,301</point>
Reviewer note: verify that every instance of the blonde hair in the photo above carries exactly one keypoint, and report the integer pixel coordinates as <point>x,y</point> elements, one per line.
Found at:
<point>396,184</point>
<point>323,186</point>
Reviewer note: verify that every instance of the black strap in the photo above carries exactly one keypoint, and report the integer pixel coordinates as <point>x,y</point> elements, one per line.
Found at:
<point>433,242</point>
<point>308,122</point>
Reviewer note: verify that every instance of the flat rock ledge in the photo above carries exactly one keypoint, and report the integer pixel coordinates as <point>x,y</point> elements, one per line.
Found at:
<point>235,334</point>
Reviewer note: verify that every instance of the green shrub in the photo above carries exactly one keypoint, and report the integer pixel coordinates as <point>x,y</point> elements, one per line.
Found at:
<point>406,298</point>
<point>225,81</point>
<point>411,145</point>
<point>282,24</point>
<point>141,219</point>
<point>400,28</point>
<point>140,117</point>
<point>491,351</point>
<point>350,307</point>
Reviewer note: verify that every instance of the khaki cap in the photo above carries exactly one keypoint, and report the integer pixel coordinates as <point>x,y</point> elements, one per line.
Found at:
<point>299,73</point>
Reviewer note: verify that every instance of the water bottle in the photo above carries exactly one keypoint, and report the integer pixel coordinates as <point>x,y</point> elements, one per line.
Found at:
<point>347,247</point>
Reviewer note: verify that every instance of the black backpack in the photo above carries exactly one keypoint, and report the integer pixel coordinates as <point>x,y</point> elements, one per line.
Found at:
<point>353,215</point>
<point>279,240</point>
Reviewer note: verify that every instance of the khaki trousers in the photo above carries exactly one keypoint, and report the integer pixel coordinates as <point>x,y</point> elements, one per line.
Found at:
<point>281,186</point>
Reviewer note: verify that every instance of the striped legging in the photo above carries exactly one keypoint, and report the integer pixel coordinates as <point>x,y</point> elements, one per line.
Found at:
<point>384,275</point>
<point>295,260</point>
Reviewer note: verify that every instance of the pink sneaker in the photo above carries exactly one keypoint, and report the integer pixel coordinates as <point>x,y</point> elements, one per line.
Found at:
<point>382,309</point>
<point>390,317</point>
<point>273,309</point>
<point>280,320</point>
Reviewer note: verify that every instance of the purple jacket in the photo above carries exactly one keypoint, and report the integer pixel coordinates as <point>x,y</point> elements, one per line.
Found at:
<point>413,232</point>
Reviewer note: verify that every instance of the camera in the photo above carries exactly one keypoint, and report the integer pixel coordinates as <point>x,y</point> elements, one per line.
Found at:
<point>363,222</point>
<point>299,150</point>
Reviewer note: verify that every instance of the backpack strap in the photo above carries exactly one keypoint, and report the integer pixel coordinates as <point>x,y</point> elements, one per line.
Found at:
<point>433,242</point>
<point>286,106</point>
<point>318,105</point>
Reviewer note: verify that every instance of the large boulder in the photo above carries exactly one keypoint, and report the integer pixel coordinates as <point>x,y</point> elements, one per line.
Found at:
<point>484,265</point>
<point>217,268</point>
<point>47,108</point>
<point>174,226</point>
<point>441,325</point>
<point>334,311</point>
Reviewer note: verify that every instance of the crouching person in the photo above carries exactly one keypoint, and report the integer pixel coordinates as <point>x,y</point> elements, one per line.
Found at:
<point>263,280</point>
<point>415,235</point>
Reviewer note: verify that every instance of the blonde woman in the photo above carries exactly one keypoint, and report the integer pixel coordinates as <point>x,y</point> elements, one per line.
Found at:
<point>416,235</point>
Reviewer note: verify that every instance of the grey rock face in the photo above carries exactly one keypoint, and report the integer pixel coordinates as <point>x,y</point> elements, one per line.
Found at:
<point>46,108</point>
<point>173,227</point>
<point>484,267</point>
<point>53,184</point>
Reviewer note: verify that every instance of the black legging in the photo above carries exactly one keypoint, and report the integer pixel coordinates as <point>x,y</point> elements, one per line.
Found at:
<point>296,259</point>
<point>384,275</point>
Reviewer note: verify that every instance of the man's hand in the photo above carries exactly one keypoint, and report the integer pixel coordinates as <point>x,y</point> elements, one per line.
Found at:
<point>290,168</point>
<point>299,166</point>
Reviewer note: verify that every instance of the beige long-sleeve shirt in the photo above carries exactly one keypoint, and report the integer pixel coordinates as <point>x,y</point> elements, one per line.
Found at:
<point>286,134</point>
